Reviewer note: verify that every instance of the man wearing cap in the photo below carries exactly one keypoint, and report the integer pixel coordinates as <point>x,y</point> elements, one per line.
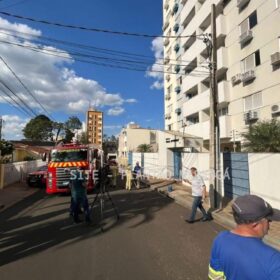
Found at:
<point>241,254</point>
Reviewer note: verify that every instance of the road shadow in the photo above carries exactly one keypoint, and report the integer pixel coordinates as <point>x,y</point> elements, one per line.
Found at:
<point>38,222</point>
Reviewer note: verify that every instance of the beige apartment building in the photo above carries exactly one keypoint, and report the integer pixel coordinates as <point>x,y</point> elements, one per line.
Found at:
<point>132,136</point>
<point>94,127</point>
<point>248,68</point>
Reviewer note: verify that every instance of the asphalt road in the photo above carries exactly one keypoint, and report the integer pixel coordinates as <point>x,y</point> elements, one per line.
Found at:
<point>150,241</point>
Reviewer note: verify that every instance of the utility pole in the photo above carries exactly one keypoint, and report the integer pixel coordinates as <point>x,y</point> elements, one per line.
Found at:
<point>1,125</point>
<point>214,140</point>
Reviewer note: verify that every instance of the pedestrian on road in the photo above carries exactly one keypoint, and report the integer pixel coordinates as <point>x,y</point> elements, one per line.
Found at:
<point>137,174</point>
<point>198,193</point>
<point>241,253</point>
<point>128,174</point>
<point>79,195</point>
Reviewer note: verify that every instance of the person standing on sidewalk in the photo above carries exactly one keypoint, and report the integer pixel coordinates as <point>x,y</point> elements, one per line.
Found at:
<point>198,193</point>
<point>241,253</point>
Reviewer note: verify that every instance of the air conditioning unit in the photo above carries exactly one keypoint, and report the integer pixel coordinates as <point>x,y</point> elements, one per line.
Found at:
<point>251,116</point>
<point>275,58</point>
<point>166,42</point>
<point>178,111</point>
<point>242,3</point>
<point>245,37</point>
<point>248,76</point>
<point>275,109</point>
<point>167,77</point>
<point>236,79</point>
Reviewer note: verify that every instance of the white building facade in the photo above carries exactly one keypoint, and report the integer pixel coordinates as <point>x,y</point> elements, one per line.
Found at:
<point>248,68</point>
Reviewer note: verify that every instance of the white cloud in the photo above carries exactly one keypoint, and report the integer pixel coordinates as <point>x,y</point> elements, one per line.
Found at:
<point>12,127</point>
<point>109,127</point>
<point>131,100</point>
<point>50,78</point>
<point>157,67</point>
<point>115,111</point>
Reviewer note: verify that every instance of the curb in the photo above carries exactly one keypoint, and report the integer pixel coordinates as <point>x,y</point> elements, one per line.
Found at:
<point>184,201</point>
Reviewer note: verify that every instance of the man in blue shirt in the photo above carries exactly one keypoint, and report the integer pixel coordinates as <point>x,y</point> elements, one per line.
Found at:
<point>241,254</point>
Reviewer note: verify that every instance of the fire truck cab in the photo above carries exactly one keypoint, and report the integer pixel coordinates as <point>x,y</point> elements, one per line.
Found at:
<point>66,157</point>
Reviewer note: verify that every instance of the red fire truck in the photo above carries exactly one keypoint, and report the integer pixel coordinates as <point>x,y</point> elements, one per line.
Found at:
<point>66,157</point>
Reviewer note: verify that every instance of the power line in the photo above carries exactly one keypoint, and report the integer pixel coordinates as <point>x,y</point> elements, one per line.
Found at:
<point>117,65</point>
<point>25,87</point>
<point>84,28</point>
<point>14,101</point>
<point>84,47</point>
<point>19,98</point>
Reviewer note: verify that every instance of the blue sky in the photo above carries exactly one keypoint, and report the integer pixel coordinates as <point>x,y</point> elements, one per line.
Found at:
<point>137,101</point>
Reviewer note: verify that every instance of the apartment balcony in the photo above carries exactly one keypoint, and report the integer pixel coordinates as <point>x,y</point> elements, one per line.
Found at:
<point>167,116</point>
<point>166,5</point>
<point>167,96</point>
<point>167,60</point>
<point>221,29</point>
<point>275,59</point>
<point>166,42</point>
<point>166,24</point>
<point>222,59</point>
<point>201,101</point>
<point>190,81</point>
<point>242,3</point>
<point>202,129</point>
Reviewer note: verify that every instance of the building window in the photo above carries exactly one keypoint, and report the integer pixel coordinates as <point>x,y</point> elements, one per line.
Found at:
<point>253,101</point>
<point>249,23</point>
<point>180,80</point>
<point>223,111</point>
<point>251,61</point>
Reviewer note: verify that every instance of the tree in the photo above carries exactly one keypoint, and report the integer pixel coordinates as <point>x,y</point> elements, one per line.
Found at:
<point>6,148</point>
<point>144,148</point>
<point>110,144</point>
<point>68,135</point>
<point>263,137</point>
<point>58,127</point>
<point>39,128</point>
<point>73,123</point>
<point>84,138</point>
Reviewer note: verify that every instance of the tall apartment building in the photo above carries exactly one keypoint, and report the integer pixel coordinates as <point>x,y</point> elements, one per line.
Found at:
<point>95,127</point>
<point>248,67</point>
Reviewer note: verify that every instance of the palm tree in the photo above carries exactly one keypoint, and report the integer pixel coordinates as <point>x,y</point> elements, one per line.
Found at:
<point>144,148</point>
<point>263,137</point>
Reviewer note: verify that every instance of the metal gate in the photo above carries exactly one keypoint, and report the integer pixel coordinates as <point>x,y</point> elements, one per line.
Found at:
<point>236,174</point>
<point>177,164</point>
<point>130,159</point>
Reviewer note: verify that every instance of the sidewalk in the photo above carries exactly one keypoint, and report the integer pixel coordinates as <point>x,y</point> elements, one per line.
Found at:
<point>14,193</point>
<point>182,195</point>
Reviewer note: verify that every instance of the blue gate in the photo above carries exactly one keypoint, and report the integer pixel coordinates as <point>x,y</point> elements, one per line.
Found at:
<point>177,164</point>
<point>236,180</point>
<point>130,159</point>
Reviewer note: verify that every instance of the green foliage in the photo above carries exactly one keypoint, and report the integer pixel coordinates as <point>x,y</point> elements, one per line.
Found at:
<point>73,123</point>
<point>144,148</point>
<point>6,148</point>
<point>57,127</point>
<point>263,137</point>
<point>39,128</point>
<point>84,139</point>
<point>68,135</point>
